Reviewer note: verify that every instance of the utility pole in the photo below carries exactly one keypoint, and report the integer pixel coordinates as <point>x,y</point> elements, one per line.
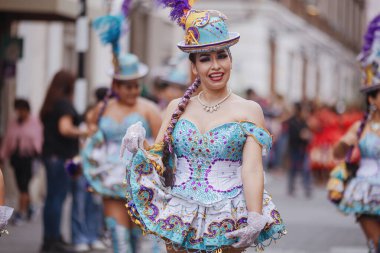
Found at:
<point>82,37</point>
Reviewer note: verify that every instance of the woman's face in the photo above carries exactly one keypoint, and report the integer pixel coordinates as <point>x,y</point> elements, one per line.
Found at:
<point>128,91</point>
<point>375,100</point>
<point>213,68</point>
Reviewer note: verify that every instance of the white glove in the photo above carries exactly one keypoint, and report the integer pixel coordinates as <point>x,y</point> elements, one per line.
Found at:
<point>5,215</point>
<point>248,235</point>
<point>133,138</point>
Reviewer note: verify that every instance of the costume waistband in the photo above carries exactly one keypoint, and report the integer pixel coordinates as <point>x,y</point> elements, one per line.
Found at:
<point>368,168</point>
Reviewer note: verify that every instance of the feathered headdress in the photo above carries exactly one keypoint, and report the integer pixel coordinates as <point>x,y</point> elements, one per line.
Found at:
<point>369,36</point>
<point>179,9</point>
<point>109,28</point>
<point>369,57</point>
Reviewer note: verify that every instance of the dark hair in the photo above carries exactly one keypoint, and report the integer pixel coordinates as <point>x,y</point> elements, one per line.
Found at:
<point>372,94</point>
<point>21,104</point>
<point>192,56</point>
<point>249,91</point>
<point>61,87</point>
<point>297,107</point>
<point>101,93</point>
<point>366,116</point>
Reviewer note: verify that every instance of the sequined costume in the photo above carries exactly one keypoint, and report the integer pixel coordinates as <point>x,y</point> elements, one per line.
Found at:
<point>102,165</point>
<point>207,199</point>
<point>362,194</point>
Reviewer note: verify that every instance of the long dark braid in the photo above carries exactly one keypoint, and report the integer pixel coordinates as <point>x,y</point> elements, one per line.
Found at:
<point>168,147</point>
<point>363,122</point>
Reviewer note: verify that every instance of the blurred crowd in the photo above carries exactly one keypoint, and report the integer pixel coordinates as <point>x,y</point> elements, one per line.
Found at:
<point>304,134</point>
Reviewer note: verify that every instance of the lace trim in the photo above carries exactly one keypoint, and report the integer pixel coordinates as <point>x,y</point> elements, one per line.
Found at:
<point>259,247</point>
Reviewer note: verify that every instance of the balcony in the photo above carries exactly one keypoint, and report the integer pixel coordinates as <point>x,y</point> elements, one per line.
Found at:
<point>342,20</point>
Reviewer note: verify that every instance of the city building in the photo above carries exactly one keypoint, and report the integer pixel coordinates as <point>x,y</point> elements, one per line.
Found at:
<point>301,49</point>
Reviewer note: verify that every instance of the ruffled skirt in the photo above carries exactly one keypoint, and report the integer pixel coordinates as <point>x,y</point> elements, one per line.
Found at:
<point>103,167</point>
<point>361,196</point>
<point>187,224</point>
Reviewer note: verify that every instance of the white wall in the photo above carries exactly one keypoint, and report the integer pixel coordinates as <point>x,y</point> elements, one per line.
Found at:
<point>42,57</point>
<point>372,8</point>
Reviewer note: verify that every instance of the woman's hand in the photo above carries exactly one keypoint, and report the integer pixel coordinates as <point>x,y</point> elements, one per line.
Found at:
<point>133,138</point>
<point>349,139</point>
<point>248,235</point>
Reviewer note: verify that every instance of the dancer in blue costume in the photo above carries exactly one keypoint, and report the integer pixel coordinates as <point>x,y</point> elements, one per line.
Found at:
<point>102,166</point>
<point>362,194</point>
<point>201,186</point>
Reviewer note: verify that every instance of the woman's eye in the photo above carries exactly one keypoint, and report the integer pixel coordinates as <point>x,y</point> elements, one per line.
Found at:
<point>222,56</point>
<point>204,58</point>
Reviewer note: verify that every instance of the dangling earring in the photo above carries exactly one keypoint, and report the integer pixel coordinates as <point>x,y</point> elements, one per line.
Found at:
<point>372,108</point>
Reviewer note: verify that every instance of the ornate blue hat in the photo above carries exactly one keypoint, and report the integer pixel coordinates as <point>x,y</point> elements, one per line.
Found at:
<point>129,68</point>
<point>176,76</point>
<point>206,31</point>
<point>177,71</point>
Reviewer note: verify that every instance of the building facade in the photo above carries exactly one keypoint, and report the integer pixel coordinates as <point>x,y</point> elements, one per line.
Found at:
<point>301,49</point>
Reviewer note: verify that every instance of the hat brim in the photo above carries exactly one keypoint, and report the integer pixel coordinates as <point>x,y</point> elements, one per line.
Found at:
<point>233,39</point>
<point>370,88</point>
<point>142,71</point>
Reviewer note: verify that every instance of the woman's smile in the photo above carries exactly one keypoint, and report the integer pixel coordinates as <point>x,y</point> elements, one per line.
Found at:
<point>216,76</point>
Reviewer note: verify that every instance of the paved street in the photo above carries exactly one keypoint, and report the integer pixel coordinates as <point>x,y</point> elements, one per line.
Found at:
<point>314,226</point>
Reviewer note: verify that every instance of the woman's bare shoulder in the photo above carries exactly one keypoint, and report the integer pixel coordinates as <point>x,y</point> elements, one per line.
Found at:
<point>355,126</point>
<point>250,110</point>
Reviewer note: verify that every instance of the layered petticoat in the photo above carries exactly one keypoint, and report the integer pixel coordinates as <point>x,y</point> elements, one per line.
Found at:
<point>187,223</point>
<point>362,194</point>
<point>103,168</point>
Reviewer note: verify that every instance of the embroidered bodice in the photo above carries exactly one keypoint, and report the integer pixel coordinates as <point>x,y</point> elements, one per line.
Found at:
<point>208,168</point>
<point>114,131</point>
<point>369,146</point>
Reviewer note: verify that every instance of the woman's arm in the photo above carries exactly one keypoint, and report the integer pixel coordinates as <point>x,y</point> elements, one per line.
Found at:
<point>252,168</point>
<point>349,139</point>
<point>92,116</point>
<point>68,129</point>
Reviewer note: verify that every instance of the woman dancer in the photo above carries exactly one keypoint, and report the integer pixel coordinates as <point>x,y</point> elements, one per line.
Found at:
<point>103,168</point>
<point>361,196</point>
<point>201,186</point>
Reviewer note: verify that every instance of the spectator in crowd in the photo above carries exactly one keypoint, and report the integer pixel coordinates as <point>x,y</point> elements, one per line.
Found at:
<point>61,134</point>
<point>299,137</point>
<point>22,143</point>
